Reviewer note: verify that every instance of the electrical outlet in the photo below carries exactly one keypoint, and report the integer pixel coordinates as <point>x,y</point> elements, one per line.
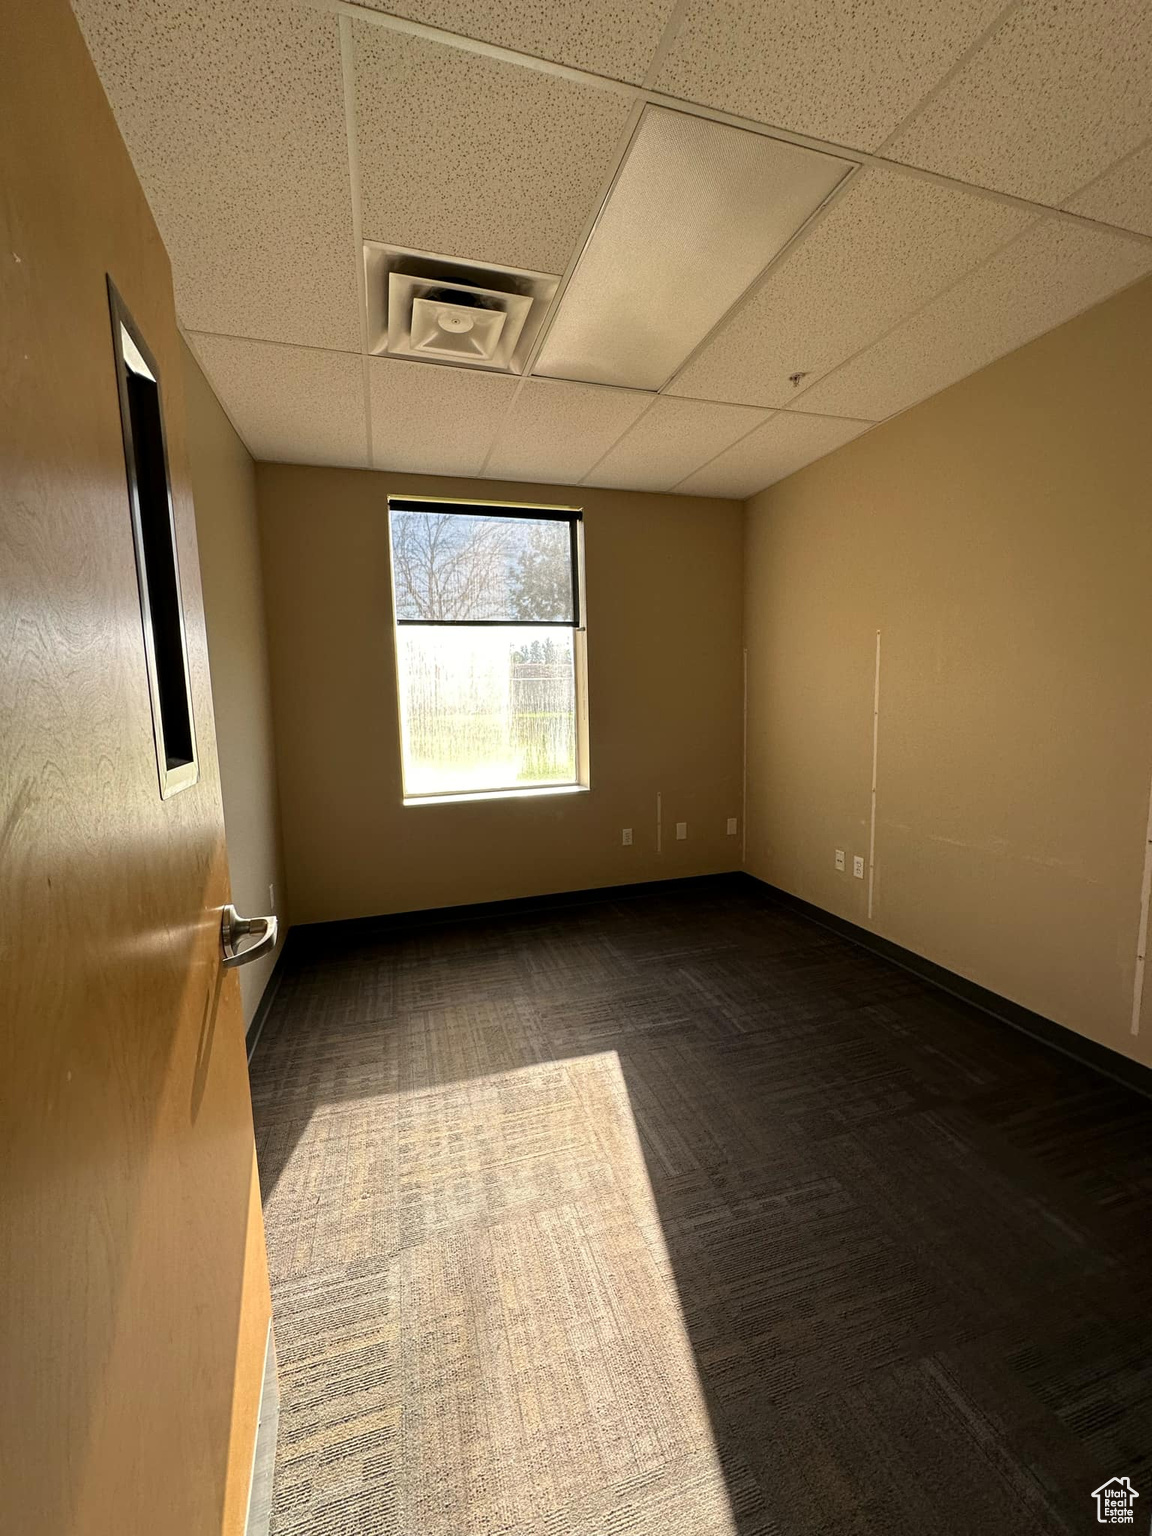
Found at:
<point>839,858</point>
<point>626,837</point>
<point>858,866</point>
<point>681,831</point>
<point>271,897</point>
<point>731,826</point>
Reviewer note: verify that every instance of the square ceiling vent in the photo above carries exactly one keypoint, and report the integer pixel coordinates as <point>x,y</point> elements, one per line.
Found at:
<point>444,310</point>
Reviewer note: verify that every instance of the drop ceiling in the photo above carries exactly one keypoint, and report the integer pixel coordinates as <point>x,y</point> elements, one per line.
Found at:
<point>784,221</point>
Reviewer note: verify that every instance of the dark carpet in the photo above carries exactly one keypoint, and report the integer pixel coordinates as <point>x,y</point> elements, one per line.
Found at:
<point>676,1213</point>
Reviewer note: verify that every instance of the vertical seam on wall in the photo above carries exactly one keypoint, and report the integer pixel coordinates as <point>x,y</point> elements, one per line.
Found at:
<point>875,748</point>
<point>1142,931</point>
<point>659,827</point>
<point>744,772</point>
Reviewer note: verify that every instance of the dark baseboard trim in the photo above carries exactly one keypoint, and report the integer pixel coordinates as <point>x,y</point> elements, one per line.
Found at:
<point>267,998</point>
<point>1089,1053</point>
<point>304,936</point>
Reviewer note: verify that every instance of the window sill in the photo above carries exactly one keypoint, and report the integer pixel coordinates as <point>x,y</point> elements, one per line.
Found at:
<point>467,797</point>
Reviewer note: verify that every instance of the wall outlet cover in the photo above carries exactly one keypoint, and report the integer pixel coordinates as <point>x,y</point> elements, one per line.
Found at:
<point>681,830</point>
<point>626,837</point>
<point>858,867</point>
<point>839,858</point>
<point>731,826</point>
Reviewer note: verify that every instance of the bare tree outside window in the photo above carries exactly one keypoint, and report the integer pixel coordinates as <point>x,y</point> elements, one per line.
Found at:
<point>485,612</point>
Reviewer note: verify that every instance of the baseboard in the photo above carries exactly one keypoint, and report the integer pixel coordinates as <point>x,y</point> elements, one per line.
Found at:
<point>1058,1037</point>
<point>303,935</point>
<point>267,998</point>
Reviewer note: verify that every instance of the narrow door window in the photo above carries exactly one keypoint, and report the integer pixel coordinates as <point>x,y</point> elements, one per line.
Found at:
<point>157,564</point>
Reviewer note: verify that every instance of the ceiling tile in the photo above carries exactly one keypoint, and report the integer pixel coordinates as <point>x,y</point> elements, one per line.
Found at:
<point>616,38</point>
<point>696,213</point>
<point>467,156</point>
<point>887,243</point>
<point>295,405</point>
<point>786,442</point>
<point>1123,195</point>
<point>434,419</point>
<point>1050,100</point>
<point>557,431</point>
<point>845,73</point>
<point>669,441</point>
<point>1052,273</point>
<point>233,114</point>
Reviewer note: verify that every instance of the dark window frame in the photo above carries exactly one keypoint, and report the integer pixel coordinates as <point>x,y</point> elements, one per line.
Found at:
<point>527,512</point>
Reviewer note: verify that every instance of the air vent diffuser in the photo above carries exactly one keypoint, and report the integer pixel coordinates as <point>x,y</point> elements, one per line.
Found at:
<point>444,310</point>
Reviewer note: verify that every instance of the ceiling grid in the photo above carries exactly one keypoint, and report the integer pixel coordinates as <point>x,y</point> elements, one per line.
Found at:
<point>626,137</point>
<point>1001,182</point>
<point>909,315</point>
<point>348,86</point>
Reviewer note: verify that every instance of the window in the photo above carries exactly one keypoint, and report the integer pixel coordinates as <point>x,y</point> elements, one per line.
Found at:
<point>157,567</point>
<point>489,647</point>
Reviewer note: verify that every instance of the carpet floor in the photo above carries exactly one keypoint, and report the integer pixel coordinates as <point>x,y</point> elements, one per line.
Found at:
<point>678,1215</point>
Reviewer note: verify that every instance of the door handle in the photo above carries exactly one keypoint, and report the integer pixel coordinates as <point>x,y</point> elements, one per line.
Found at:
<point>233,928</point>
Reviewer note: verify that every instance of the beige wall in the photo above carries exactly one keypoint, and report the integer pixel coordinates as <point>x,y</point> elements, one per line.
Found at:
<point>224,490</point>
<point>1000,538</point>
<point>664,637</point>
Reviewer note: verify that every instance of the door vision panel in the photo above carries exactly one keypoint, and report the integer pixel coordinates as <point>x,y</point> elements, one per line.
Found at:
<point>135,1294</point>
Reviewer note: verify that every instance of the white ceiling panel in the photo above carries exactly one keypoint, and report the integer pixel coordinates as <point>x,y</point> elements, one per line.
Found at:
<point>1122,196</point>
<point>848,74</point>
<point>616,38</point>
<point>434,419</point>
<point>233,114</point>
<point>671,439</point>
<point>886,244</point>
<point>785,443</point>
<point>471,157</point>
<point>1050,274</point>
<point>556,431</point>
<point>295,405</point>
<point>697,211</point>
<point>1053,97</point>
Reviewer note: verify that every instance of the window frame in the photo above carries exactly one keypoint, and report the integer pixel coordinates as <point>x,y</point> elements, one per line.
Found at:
<point>176,770</point>
<point>525,511</point>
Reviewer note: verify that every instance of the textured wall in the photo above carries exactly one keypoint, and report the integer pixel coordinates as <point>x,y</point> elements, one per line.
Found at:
<point>224,490</point>
<point>1000,538</point>
<point>664,601</point>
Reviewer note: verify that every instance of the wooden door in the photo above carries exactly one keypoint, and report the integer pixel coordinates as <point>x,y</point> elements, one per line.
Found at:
<point>133,1287</point>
